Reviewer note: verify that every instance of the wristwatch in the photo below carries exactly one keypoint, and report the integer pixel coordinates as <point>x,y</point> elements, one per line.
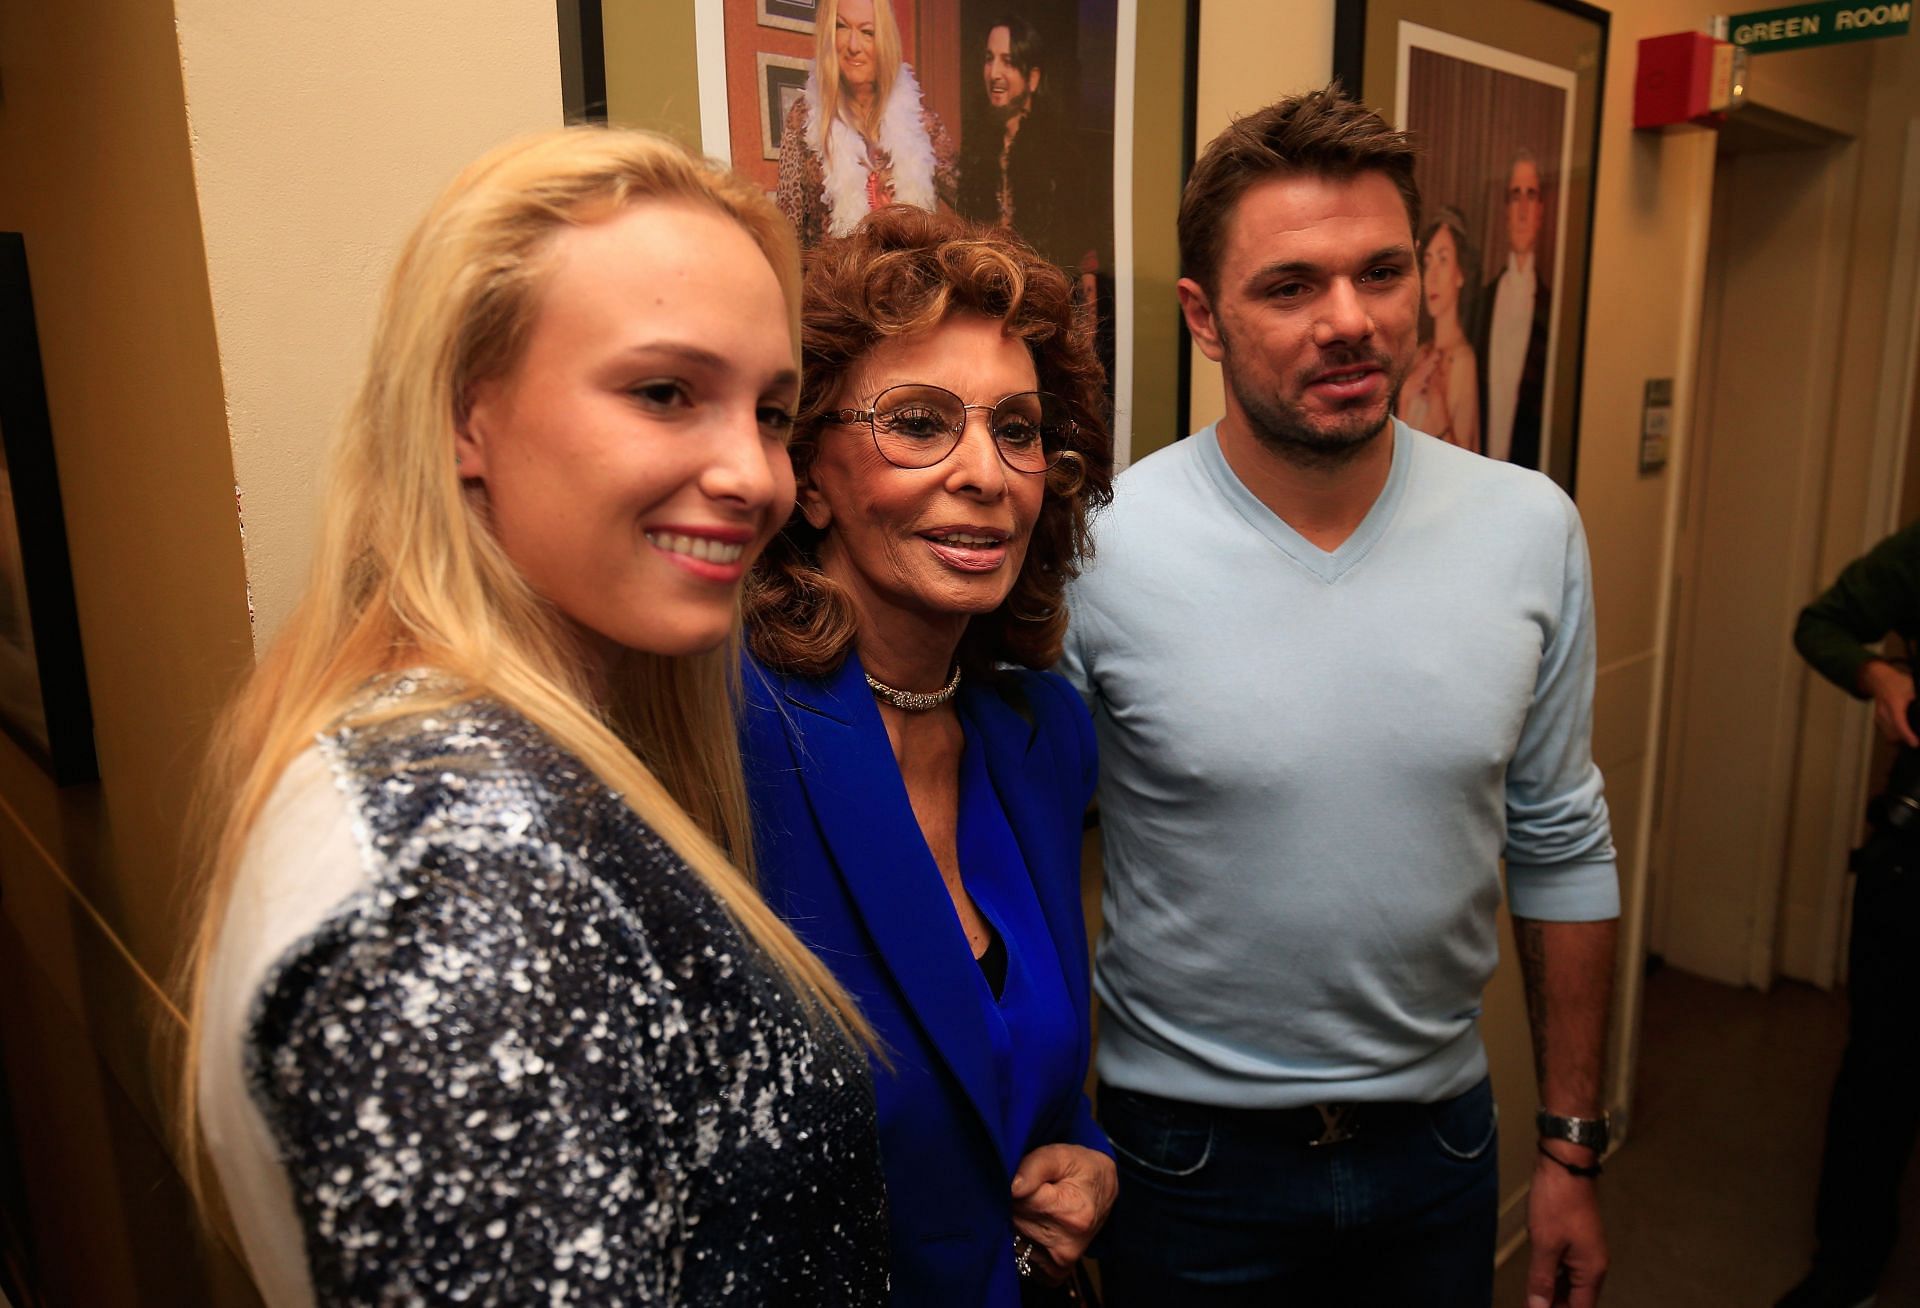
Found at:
<point>1590,1132</point>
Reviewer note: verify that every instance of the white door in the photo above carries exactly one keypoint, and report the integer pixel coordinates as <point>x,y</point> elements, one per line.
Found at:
<point>1756,484</point>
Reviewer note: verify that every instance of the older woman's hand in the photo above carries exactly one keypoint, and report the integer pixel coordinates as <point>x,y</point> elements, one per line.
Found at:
<point>1061,1196</point>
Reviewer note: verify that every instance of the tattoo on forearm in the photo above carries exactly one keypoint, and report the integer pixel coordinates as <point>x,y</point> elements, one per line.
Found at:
<point>1532,940</point>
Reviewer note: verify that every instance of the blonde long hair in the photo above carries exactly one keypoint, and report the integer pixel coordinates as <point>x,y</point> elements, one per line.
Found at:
<point>826,62</point>
<point>406,572</point>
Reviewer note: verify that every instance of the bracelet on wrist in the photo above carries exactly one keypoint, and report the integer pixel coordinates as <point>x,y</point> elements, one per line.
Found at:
<point>1584,1173</point>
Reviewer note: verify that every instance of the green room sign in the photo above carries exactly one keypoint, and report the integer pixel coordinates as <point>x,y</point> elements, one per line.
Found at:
<point>1827,23</point>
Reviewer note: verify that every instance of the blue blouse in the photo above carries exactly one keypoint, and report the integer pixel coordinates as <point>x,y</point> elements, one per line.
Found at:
<point>966,1086</point>
<point>1032,1022</point>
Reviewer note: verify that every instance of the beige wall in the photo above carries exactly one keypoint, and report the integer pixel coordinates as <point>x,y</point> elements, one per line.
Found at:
<point>1158,174</point>
<point>320,133</point>
<point>210,195</point>
<point>1252,52</point>
<point>653,69</point>
<point>96,172</point>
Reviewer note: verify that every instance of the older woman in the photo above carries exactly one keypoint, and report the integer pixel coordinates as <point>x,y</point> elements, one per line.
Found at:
<point>484,1012</point>
<point>917,782</point>
<point>860,137</point>
<point>1442,393</point>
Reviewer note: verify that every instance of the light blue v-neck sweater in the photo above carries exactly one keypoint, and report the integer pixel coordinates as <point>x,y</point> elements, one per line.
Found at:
<point>1313,763</point>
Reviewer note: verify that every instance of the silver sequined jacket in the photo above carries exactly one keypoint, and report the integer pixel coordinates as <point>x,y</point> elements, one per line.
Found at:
<point>532,1061</point>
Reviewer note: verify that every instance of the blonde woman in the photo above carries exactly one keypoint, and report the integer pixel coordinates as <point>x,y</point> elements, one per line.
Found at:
<point>484,1010</point>
<point>860,137</point>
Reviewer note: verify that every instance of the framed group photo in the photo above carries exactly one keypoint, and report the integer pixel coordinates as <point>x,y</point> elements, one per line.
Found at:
<point>1504,99</point>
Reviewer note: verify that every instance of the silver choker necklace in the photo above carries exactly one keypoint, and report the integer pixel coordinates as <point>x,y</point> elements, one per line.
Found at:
<point>909,702</point>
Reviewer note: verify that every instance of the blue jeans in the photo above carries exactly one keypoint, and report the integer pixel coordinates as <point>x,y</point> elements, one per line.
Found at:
<point>1231,1206</point>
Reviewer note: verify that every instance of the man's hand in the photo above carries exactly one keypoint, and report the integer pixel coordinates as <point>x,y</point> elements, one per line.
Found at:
<point>1569,1249</point>
<point>1892,692</point>
<point>1061,1196</point>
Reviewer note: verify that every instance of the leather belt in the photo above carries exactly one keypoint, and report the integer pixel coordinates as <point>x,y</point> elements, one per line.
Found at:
<point>1319,1125</point>
<point>1337,1123</point>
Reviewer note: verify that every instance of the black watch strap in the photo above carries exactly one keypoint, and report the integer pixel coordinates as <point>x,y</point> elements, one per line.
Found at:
<point>1584,1173</point>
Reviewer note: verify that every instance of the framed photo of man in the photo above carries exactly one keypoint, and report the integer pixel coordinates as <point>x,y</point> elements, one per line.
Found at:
<point>1504,99</point>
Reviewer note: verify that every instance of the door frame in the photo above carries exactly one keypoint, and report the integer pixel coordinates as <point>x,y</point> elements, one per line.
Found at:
<point>1837,160</point>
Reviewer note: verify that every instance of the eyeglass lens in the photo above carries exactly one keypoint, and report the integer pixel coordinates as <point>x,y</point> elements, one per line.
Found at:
<point>917,426</point>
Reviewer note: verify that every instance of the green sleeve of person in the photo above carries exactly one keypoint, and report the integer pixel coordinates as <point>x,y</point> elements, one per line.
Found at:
<point>1875,594</point>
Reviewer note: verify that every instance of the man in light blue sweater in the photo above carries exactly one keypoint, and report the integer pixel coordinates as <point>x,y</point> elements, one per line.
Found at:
<point>1338,670</point>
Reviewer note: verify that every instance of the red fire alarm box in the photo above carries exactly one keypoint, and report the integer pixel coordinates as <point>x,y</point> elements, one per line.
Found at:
<point>1687,77</point>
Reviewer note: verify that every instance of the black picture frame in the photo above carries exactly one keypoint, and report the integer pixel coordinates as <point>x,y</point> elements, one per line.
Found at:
<point>44,704</point>
<point>583,61</point>
<point>789,15</point>
<point>1189,155</point>
<point>783,79</point>
<point>1371,51</point>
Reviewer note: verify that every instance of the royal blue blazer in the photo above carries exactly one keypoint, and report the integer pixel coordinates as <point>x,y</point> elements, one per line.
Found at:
<point>842,859</point>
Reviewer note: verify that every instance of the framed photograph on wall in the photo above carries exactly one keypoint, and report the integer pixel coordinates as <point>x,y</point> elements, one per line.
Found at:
<point>783,80</point>
<point>1008,115</point>
<point>43,682</point>
<point>1504,99</point>
<point>788,15</point>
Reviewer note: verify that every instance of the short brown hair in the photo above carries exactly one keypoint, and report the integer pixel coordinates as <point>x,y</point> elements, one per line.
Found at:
<point>1319,134</point>
<point>901,272</point>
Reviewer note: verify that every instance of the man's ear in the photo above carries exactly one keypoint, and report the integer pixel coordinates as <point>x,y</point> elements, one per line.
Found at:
<point>1198,311</point>
<point>1033,82</point>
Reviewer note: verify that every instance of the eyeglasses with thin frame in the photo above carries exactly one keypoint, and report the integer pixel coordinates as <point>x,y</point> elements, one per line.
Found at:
<point>917,426</point>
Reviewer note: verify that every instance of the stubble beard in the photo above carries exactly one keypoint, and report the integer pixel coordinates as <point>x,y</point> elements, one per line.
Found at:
<point>1285,430</point>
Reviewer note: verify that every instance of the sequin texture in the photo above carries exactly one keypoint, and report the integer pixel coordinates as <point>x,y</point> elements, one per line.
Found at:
<point>535,1062</point>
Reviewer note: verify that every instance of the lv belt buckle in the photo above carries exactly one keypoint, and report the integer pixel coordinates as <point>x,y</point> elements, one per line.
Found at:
<point>1336,1124</point>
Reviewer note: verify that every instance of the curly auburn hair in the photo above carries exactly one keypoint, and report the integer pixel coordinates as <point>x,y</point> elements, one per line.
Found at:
<point>902,272</point>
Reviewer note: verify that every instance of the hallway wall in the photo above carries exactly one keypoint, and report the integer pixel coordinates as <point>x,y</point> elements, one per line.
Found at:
<point>210,194</point>
<point>311,168</point>
<point>96,170</point>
